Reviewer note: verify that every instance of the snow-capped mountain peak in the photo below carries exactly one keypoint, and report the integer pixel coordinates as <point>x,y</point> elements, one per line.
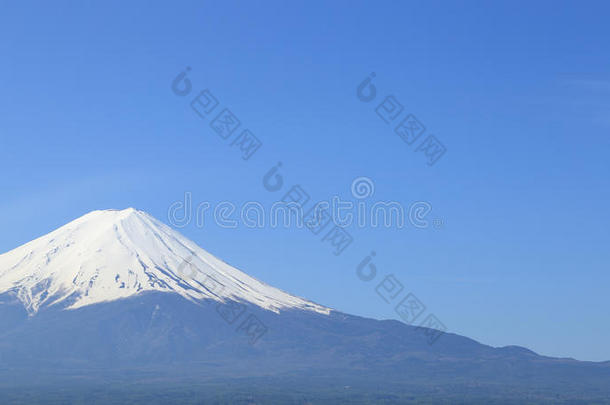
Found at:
<point>112,254</point>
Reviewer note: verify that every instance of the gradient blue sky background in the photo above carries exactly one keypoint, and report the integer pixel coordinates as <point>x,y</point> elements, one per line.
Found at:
<point>519,92</point>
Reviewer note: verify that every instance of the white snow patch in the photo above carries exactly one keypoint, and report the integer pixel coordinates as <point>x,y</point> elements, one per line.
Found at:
<point>108,255</point>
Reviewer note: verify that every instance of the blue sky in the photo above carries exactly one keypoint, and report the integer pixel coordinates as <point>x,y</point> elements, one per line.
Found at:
<point>518,93</point>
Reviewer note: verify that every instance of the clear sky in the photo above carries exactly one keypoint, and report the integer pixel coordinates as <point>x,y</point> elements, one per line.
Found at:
<point>518,92</point>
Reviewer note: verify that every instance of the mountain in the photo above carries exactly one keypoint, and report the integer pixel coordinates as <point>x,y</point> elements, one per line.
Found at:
<point>118,296</point>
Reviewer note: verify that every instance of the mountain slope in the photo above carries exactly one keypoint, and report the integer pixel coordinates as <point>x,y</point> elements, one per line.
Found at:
<point>158,338</point>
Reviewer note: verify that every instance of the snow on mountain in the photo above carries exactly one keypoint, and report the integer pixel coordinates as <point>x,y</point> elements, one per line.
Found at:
<point>113,254</point>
